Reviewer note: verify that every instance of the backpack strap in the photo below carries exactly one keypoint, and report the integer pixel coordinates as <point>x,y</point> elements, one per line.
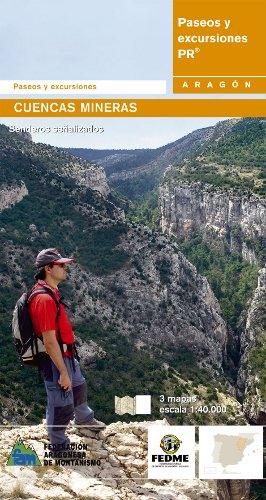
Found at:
<point>41,291</point>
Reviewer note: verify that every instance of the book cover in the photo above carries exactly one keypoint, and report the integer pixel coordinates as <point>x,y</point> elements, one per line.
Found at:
<point>132,139</point>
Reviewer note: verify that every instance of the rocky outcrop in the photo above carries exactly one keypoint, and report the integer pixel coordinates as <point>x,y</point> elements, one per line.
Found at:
<point>220,215</point>
<point>85,174</point>
<point>12,194</point>
<point>233,489</point>
<point>119,471</point>
<point>93,177</point>
<point>156,299</point>
<point>89,351</point>
<point>251,376</point>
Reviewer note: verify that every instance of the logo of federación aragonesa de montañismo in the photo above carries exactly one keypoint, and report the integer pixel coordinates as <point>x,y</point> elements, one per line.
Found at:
<point>170,444</point>
<point>23,454</point>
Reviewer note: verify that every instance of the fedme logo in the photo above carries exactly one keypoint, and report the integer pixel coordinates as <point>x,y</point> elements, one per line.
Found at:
<point>170,444</point>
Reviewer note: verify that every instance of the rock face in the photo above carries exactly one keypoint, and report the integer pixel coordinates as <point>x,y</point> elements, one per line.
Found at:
<point>157,300</point>
<point>85,174</point>
<point>89,351</point>
<point>10,195</point>
<point>94,178</point>
<point>120,472</point>
<point>251,376</point>
<point>219,215</point>
<point>233,489</point>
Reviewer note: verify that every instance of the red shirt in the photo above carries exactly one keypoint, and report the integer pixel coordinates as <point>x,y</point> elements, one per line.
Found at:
<point>43,311</point>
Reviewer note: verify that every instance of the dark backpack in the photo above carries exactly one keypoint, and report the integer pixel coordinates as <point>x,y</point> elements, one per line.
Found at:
<point>29,346</point>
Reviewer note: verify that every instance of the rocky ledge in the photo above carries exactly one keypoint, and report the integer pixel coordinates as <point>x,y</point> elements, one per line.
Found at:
<point>120,473</point>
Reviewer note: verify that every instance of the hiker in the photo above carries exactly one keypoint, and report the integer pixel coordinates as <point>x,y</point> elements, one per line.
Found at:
<point>64,383</point>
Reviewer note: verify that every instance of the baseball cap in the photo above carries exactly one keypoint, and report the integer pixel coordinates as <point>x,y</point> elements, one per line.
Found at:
<point>49,255</point>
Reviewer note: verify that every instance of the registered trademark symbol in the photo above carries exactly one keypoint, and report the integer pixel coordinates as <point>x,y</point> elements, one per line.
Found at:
<point>197,50</point>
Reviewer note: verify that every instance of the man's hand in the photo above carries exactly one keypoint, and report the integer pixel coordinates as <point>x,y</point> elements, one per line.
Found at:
<point>65,381</point>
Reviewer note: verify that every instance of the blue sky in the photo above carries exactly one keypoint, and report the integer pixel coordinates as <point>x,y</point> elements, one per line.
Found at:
<point>85,39</point>
<point>119,133</point>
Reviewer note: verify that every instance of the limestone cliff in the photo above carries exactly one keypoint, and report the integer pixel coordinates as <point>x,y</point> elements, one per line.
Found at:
<point>12,194</point>
<point>157,300</point>
<point>251,376</point>
<point>220,215</point>
<point>94,178</point>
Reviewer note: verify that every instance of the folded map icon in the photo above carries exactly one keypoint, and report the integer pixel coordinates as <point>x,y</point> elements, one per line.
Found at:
<point>139,405</point>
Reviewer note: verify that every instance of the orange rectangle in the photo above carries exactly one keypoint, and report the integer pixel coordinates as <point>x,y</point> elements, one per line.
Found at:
<point>128,108</point>
<point>218,85</point>
<point>220,38</point>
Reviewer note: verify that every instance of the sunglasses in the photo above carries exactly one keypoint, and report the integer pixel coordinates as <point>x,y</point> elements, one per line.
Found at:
<point>60,265</point>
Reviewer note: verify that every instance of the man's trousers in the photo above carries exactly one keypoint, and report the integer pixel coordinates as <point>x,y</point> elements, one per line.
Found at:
<point>62,406</point>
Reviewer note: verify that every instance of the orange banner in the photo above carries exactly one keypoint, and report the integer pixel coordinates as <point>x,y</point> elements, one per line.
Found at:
<point>218,85</point>
<point>129,108</point>
<point>220,39</point>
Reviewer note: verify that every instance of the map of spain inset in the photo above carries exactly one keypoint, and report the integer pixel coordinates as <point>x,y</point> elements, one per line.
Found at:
<point>233,452</point>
